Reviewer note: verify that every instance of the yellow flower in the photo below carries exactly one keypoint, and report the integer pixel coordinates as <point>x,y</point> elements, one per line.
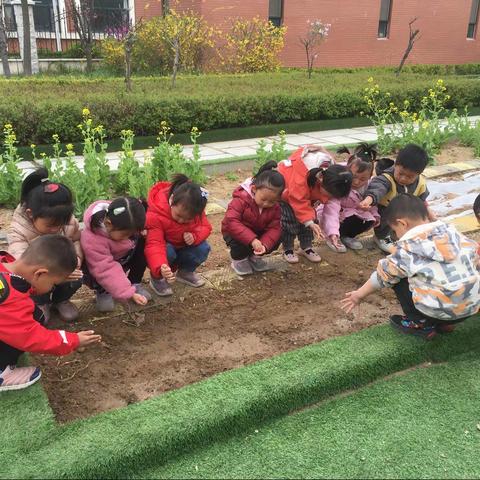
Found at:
<point>370,80</point>
<point>425,124</point>
<point>69,146</point>
<point>440,81</point>
<point>55,137</point>
<point>86,112</point>
<point>406,103</point>
<point>32,146</point>
<point>8,126</point>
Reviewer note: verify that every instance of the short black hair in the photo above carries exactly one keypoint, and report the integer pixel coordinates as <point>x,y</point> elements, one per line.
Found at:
<point>56,253</point>
<point>476,207</point>
<point>405,205</point>
<point>363,156</point>
<point>268,177</point>
<point>413,158</point>
<point>336,180</point>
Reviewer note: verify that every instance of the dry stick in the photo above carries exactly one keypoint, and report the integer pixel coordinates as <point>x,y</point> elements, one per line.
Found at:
<point>77,371</point>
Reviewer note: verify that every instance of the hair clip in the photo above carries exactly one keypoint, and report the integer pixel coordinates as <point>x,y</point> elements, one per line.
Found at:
<point>204,193</point>
<point>118,210</point>
<point>51,187</point>
<point>43,180</point>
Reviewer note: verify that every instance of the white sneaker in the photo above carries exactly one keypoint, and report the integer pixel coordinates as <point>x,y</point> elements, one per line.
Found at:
<point>332,246</point>
<point>352,243</point>
<point>384,244</point>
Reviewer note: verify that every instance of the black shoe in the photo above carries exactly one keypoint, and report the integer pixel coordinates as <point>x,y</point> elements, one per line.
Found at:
<point>413,327</point>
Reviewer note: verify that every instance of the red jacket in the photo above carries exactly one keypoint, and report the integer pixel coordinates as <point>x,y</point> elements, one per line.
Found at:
<point>244,222</point>
<point>297,193</point>
<point>18,328</point>
<point>163,229</point>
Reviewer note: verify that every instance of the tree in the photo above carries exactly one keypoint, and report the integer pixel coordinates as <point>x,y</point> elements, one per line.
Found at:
<point>4,47</point>
<point>315,35</point>
<point>128,42</point>
<point>412,39</point>
<point>27,39</point>
<point>83,13</point>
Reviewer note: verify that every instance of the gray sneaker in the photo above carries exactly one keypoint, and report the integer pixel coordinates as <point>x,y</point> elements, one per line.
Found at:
<point>105,302</point>
<point>259,264</point>
<point>67,311</point>
<point>190,278</point>
<point>141,290</point>
<point>242,267</point>
<point>352,243</point>
<point>161,287</point>
<point>384,244</point>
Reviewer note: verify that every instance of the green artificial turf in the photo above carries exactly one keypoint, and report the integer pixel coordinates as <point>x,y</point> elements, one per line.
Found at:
<point>422,424</point>
<point>153,432</point>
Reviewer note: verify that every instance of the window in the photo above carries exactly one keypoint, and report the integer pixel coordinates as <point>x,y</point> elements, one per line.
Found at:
<point>472,24</point>
<point>109,14</point>
<point>9,18</point>
<point>43,16</point>
<point>275,12</point>
<point>384,23</point>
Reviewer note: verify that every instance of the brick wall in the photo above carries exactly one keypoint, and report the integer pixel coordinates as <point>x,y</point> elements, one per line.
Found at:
<point>353,36</point>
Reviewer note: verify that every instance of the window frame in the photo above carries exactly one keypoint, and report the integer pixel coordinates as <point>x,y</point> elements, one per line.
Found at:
<point>276,20</point>
<point>384,23</point>
<point>473,20</point>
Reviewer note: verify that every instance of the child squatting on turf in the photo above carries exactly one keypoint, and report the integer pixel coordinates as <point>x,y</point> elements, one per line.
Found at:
<point>310,178</point>
<point>113,245</point>
<point>177,230</point>
<point>46,262</point>
<point>251,226</point>
<point>405,176</point>
<point>341,219</point>
<point>433,271</point>
<point>47,208</point>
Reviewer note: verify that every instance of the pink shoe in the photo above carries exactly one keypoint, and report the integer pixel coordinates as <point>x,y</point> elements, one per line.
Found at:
<point>290,256</point>
<point>17,378</point>
<point>311,255</point>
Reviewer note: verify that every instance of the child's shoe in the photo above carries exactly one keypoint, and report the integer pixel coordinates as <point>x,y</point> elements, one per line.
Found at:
<point>417,328</point>
<point>161,287</point>
<point>190,278</point>
<point>105,302</point>
<point>341,248</point>
<point>384,244</point>
<point>16,378</point>
<point>445,328</point>
<point>259,264</point>
<point>67,310</point>
<point>242,267</point>
<point>290,256</point>
<point>141,290</point>
<point>352,243</point>
<point>311,255</point>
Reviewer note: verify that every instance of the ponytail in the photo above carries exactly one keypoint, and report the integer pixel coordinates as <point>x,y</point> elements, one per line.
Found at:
<point>336,180</point>
<point>124,213</point>
<point>268,177</point>
<point>190,195</point>
<point>363,157</point>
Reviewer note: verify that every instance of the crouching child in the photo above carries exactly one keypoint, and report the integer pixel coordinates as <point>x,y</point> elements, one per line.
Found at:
<point>46,262</point>
<point>433,271</point>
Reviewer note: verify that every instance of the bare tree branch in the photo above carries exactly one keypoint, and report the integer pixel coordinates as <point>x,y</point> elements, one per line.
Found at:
<point>412,39</point>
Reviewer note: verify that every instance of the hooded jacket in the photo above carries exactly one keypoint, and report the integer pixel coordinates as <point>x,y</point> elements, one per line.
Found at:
<point>244,221</point>
<point>22,232</point>
<point>163,229</point>
<point>19,327</point>
<point>102,255</point>
<point>442,270</point>
<point>297,193</point>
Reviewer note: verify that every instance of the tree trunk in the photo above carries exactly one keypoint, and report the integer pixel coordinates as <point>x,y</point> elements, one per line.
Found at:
<point>88,56</point>
<point>27,45</point>
<point>4,48</point>
<point>176,61</point>
<point>128,66</point>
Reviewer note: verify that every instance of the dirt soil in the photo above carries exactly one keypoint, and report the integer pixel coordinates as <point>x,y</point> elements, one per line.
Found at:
<point>453,153</point>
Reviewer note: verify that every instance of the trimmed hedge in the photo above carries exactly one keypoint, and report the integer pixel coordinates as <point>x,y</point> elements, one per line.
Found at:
<point>41,107</point>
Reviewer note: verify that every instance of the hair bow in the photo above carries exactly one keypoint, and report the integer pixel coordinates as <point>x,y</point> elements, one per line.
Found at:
<point>118,210</point>
<point>204,193</point>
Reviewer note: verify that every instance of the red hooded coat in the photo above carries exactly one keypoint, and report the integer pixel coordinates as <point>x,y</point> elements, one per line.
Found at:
<point>163,229</point>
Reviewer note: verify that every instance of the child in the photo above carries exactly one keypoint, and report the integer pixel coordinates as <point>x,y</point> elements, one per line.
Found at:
<point>341,219</point>
<point>46,208</point>
<point>476,208</point>
<point>46,262</point>
<point>113,247</point>
<point>177,230</point>
<point>310,177</point>
<point>433,271</point>
<point>251,226</point>
<point>403,177</point>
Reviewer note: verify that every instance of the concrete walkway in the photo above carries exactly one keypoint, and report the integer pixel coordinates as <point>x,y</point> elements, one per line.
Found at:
<point>236,150</point>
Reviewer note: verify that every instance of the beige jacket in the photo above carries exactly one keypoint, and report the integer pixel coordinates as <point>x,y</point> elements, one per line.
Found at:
<point>22,232</point>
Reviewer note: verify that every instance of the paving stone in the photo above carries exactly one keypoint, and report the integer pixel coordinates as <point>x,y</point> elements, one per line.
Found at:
<point>365,137</point>
<point>240,151</point>
<point>299,140</point>
<point>333,133</point>
<point>248,142</point>
<point>340,140</point>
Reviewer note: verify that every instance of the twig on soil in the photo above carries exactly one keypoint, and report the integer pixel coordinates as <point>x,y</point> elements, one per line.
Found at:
<point>77,371</point>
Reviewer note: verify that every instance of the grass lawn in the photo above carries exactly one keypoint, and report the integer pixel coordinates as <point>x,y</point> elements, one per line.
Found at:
<point>150,434</point>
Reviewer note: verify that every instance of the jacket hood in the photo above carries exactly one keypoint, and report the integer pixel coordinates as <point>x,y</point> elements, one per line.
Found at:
<point>435,241</point>
<point>246,186</point>
<point>92,210</point>
<point>311,156</point>
<point>158,198</point>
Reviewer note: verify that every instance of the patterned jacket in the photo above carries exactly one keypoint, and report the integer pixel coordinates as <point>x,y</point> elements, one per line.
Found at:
<point>442,270</point>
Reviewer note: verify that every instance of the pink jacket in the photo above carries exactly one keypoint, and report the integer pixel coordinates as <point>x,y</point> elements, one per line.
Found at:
<point>102,255</point>
<point>332,214</point>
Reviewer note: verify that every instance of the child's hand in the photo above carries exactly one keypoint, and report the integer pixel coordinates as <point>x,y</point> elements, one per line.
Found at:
<point>336,241</point>
<point>366,203</point>
<point>88,337</point>
<point>167,273</point>
<point>317,231</point>
<point>188,238</point>
<point>75,275</point>
<point>351,301</point>
<point>139,299</point>
<point>258,247</point>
